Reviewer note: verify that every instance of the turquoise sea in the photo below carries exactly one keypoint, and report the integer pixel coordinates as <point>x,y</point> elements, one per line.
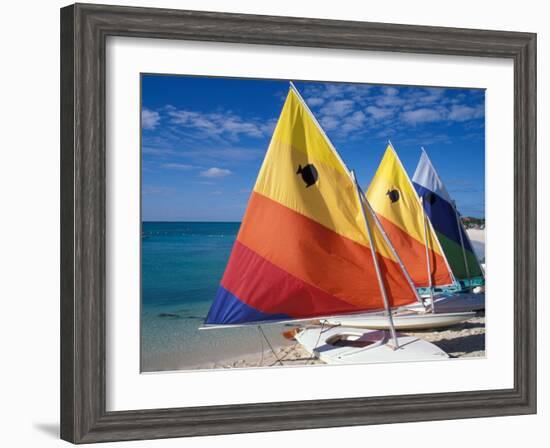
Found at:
<point>182,264</point>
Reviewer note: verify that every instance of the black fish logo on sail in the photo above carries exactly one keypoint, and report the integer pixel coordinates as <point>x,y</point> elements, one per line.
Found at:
<point>309,174</point>
<point>393,195</point>
<point>430,198</point>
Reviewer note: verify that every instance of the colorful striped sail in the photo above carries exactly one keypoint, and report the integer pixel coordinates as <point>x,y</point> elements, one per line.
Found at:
<point>398,208</point>
<point>444,217</point>
<point>302,250</point>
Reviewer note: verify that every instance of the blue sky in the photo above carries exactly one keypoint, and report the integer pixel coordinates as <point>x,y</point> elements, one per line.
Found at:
<point>204,139</point>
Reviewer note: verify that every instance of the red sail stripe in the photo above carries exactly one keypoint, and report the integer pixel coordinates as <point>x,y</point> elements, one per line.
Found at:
<point>319,256</point>
<point>413,255</point>
<point>269,289</point>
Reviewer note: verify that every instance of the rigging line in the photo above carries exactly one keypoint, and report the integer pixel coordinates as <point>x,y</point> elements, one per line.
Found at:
<point>323,322</point>
<point>428,263</point>
<point>262,347</point>
<point>390,245</point>
<point>459,228</point>
<point>270,346</point>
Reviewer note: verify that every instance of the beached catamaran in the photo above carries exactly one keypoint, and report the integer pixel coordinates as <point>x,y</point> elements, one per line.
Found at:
<point>308,248</point>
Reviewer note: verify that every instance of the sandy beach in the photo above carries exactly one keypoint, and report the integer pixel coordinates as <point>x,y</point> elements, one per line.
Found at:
<point>466,340</point>
<point>477,237</point>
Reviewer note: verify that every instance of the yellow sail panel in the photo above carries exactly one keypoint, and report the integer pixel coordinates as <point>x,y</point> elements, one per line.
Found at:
<point>400,213</point>
<point>392,196</point>
<point>302,172</point>
<point>297,128</point>
<point>380,244</point>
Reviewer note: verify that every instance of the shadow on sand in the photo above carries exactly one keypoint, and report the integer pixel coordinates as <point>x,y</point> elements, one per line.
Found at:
<point>465,344</point>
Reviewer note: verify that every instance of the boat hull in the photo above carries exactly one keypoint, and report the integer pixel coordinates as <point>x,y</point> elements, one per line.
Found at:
<point>462,286</point>
<point>365,346</point>
<point>454,303</point>
<point>403,320</point>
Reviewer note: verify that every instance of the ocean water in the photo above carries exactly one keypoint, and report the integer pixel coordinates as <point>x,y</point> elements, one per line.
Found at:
<point>182,264</point>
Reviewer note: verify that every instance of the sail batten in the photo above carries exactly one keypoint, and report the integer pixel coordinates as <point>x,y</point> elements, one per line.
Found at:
<point>302,251</point>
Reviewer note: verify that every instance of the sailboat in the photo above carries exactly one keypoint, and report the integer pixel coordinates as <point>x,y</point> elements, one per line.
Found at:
<point>307,248</point>
<point>455,242</point>
<point>398,212</point>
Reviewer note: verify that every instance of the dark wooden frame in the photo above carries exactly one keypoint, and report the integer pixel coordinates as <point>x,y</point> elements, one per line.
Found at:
<point>84,29</point>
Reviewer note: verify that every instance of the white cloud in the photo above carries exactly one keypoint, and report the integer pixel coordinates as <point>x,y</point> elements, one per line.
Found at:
<point>463,113</point>
<point>426,139</point>
<point>379,113</point>
<point>344,111</point>
<point>423,115</point>
<point>221,155</point>
<point>333,91</point>
<point>152,189</point>
<point>431,96</point>
<point>389,100</point>
<point>337,108</point>
<point>314,101</point>
<point>234,125</point>
<point>390,91</point>
<point>217,124</point>
<point>353,122</point>
<point>154,151</point>
<point>269,126</point>
<point>385,108</point>
<point>329,123</point>
<point>149,119</point>
<point>178,166</point>
<point>215,172</point>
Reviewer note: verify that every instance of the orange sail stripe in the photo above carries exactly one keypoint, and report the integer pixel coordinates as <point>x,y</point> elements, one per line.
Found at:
<point>319,256</point>
<point>411,251</point>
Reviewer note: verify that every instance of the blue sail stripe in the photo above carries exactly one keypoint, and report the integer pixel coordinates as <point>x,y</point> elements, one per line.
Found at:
<point>442,215</point>
<point>229,309</point>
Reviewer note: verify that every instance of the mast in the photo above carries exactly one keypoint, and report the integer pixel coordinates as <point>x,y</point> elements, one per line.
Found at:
<point>428,264</point>
<point>459,227</point>
<point>392,249</point>
<point>377,266</point>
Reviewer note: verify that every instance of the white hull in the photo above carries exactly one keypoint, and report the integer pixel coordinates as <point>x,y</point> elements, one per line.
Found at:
<point>403,320</point>
<point>343,345</point>
<point>454,303</point>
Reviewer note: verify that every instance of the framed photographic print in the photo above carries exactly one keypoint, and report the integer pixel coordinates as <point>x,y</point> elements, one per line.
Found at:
<point>275,223</point>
